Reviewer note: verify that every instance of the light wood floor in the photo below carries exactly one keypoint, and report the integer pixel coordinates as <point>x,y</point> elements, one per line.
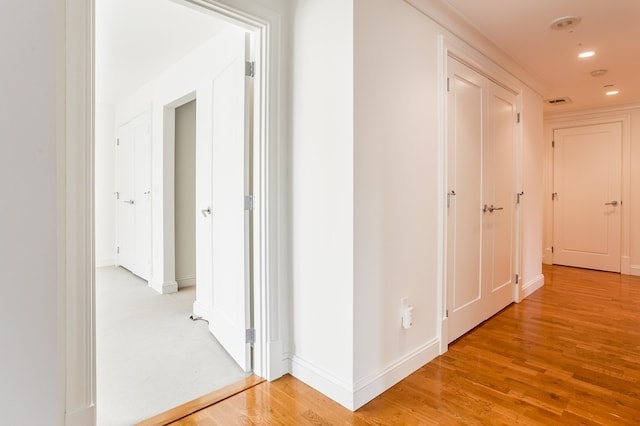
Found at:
<point>569,354</point>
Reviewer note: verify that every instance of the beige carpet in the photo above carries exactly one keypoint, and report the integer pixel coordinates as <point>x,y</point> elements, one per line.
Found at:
<point>150,356</point>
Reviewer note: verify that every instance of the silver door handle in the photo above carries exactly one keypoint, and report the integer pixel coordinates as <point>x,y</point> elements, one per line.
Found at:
<point>613,203</point>
<point>206,212</point>
<point>490,208</point>
<point>129,201</point>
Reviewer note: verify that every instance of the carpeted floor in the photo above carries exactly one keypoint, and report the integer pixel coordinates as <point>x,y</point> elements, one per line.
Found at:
<point>150,356</point>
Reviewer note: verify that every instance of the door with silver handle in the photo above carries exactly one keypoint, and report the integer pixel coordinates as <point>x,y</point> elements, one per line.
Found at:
<point>612,203</point>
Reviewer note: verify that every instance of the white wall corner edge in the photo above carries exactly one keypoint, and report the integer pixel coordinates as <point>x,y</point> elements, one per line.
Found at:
<point>532,285</point>
<point>321,381</point>
<point>372,386</point>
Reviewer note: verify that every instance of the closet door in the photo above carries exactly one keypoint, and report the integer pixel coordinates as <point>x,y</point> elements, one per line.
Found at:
<point>499,197</point>
<point>481,125</point>
<point>466,138</point>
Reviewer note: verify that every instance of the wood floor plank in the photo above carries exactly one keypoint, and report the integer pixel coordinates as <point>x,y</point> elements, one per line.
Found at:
<point>568,354</point>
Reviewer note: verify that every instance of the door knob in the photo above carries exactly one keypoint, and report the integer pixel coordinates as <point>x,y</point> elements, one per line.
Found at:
<point>613,203</point>
<point>129,201</point>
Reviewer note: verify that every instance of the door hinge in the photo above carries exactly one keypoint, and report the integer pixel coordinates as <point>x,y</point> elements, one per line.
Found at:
<point>553,144</point>
<point>517,278</point>
<point>552,249</point>
<point>118,142</point>
<point>518,118</point>
<point>250,334</point>
<point>250,69</point>
<point>117,250</point>
<point>554,195</point>
<point>446,313</point>
<point>448,85</point>
<point>248,202</point>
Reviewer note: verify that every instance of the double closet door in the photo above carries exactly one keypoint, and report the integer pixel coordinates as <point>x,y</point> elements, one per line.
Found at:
<point>482,197</point>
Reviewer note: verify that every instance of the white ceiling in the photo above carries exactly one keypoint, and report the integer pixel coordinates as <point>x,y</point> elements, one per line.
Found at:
<point>137,39</point>
<point>609,27</point>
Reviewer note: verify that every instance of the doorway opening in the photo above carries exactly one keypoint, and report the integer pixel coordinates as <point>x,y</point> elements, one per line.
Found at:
<point>223,180</point>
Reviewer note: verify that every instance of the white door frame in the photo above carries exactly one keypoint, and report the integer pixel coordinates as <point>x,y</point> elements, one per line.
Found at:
<point>75,128</point>
<point>580,120</point>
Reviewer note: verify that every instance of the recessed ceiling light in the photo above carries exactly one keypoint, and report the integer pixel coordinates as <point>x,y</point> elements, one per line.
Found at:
<point>565,22</point>
<point>587,54</point>
<point>611,92</point>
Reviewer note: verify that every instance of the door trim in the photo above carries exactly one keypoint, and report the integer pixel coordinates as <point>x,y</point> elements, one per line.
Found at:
<point>577,120</point>
<point>75,129</point>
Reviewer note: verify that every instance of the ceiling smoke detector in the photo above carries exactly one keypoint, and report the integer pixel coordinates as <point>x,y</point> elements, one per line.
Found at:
<point>558,101</point>
<point>565,22</point>
<point>598,73</point>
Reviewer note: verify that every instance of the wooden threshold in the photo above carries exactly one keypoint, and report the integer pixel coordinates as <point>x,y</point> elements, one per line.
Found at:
<point>205,401</point>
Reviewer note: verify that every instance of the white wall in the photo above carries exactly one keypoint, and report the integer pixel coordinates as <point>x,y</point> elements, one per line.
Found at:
<point>185,194</point>
<point>322,196</point>
<point>630,117</point>
<point>105,229</point>
<point>29,312</point>
<point>392,169</point>
<point>396,179</point>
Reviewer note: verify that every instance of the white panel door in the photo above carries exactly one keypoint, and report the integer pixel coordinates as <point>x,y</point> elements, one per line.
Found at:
<point>230,232</point>
<point>499,195</point>
<point>587,196</point>
<point>466,138</point>
<point>481,150</point>
<point>133,196</point>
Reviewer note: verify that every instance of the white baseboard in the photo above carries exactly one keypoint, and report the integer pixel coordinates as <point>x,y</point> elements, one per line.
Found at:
<point>625,265</point>
<point>105,261</point>
<point>322,381</point>
<point>187,281</point>
<point>82,417</point>
<point>369,387</point>
<point>532,285</point>
<point>634,270</point>
<point>164,288</point>
<point>372,386</point>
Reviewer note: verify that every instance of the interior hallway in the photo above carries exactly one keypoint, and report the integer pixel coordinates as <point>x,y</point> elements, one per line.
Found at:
<point>150,356</point>
<point>568,354</point>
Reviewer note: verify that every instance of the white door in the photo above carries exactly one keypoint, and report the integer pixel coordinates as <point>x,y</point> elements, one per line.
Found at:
<point>223,246</point>
<point>587,196</point>
<point>125,210</point>
<point>133,196</point>
<point>481,198</point>
<point>499,195</point>
<point>464,213</point>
